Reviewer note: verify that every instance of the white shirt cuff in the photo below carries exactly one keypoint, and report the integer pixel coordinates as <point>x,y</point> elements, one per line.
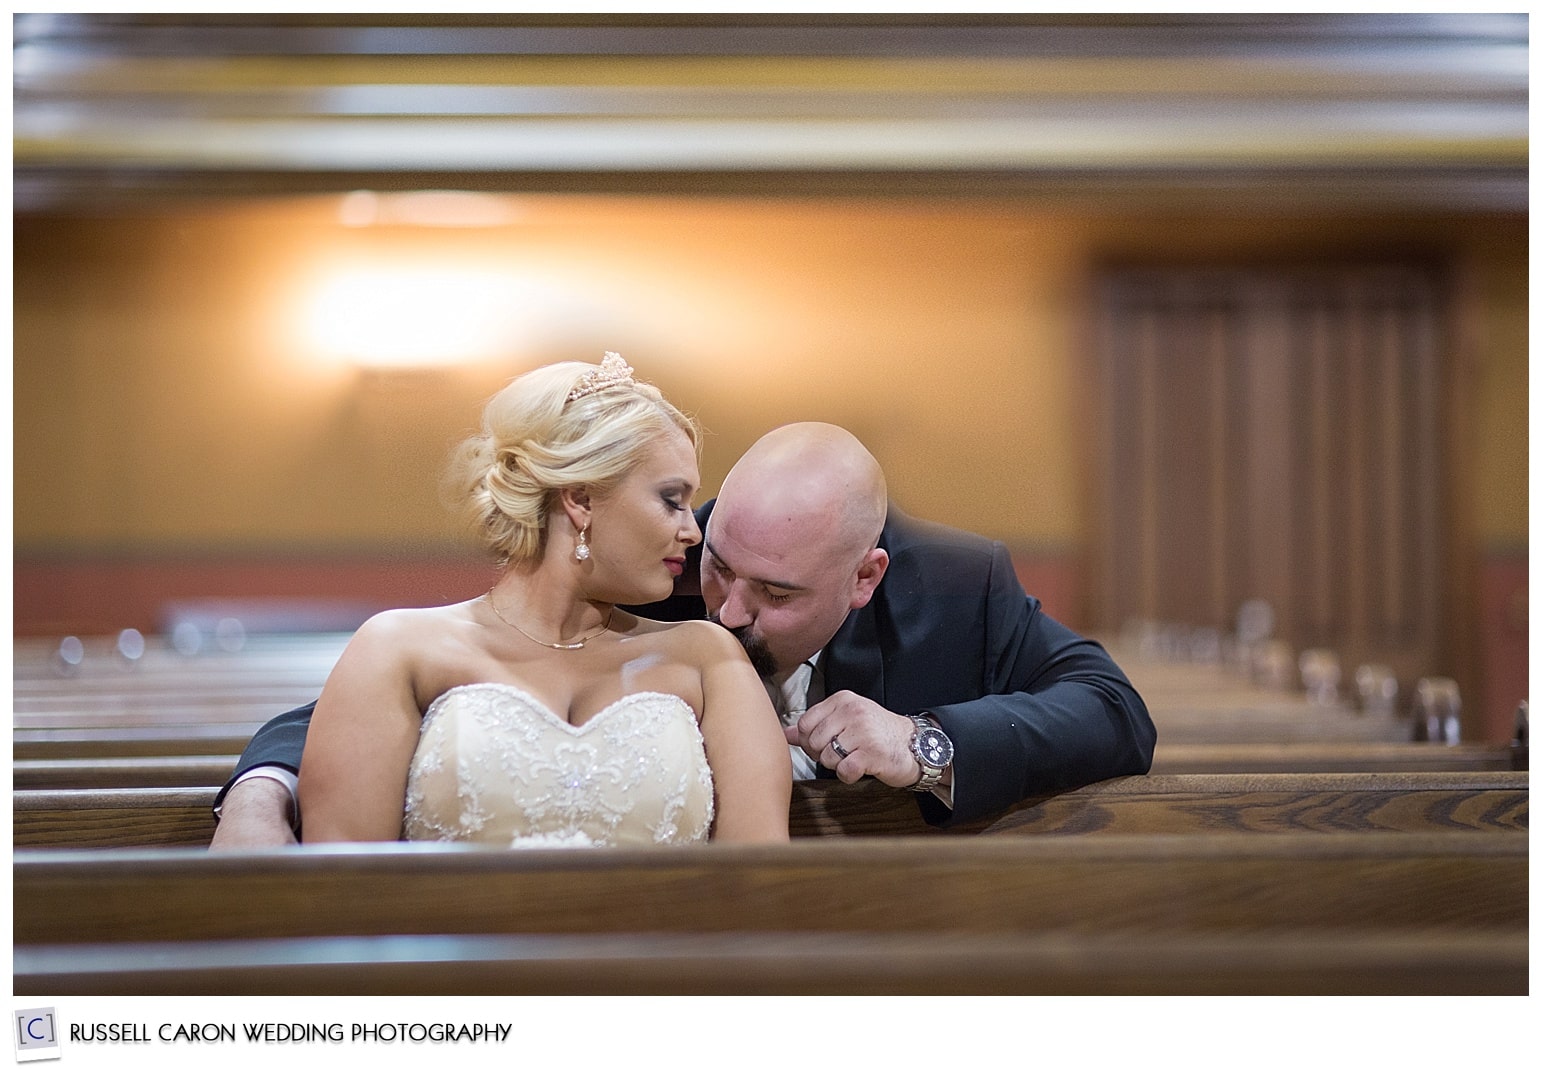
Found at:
<point>273,772</point>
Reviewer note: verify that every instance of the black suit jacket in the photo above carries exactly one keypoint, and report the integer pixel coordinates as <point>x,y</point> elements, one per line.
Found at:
<point>1032,707</point>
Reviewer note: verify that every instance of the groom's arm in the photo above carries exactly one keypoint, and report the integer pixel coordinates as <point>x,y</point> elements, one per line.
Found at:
<point>257,806</point>
<point>1059,713</point>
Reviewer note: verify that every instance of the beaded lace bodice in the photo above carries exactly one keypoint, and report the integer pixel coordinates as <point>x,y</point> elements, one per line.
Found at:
<point>495,766</point>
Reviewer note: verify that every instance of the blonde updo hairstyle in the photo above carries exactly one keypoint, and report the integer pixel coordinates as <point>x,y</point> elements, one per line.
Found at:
<point>536,443</point>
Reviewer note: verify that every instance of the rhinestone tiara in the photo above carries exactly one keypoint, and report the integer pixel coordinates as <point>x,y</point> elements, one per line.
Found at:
<point>613,371</point>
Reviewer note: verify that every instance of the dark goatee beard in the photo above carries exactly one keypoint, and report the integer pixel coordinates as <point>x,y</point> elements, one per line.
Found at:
<point>759,654</point>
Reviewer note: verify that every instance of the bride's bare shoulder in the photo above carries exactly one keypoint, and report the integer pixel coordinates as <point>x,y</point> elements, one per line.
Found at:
<point>699,639</point>
<point>396,625</point>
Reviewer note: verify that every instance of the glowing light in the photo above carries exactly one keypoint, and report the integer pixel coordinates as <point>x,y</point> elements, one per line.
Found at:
<point>413,316</point>
<point>425,208</point>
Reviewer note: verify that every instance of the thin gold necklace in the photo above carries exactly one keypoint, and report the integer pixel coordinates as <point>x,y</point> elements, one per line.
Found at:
<point>579,645</point>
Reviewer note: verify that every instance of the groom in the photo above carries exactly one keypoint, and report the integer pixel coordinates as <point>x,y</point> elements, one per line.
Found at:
<point>891,648</point>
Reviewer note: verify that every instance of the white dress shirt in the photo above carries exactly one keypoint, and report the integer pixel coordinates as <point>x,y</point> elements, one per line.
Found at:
<point>805,687</point>
<point>791,698</point>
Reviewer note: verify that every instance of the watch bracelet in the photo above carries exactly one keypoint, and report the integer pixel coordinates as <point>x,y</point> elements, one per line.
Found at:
<point>928,780</point>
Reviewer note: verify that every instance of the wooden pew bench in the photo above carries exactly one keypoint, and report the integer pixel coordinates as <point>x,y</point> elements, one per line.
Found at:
<point>1340,962</point>
<point>1353,757</point>
<point>36,662</point>
<point>113,817</point>
<point>180,709</point>
<point>168,699</point>
<point>1296,724</point>
<point>1225,883</point>
<point>170,771</point>
<point>132,741</point>
<point>212,770</point>
<point>1261,803</point>
<point>1382,913</point>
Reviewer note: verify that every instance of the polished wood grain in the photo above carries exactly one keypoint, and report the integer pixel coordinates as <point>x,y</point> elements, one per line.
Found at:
<point>133,741</point>
<point>1335,757</point>
<point>1259,802</point>
<point>168,771</point>
<point>212,770</point>
<point>1224,883</point>
<point>113,817</point>
<point>1354,962</point>
<point>1256,803</point>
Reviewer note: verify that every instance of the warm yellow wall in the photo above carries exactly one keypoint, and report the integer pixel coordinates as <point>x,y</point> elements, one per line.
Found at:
<point>1500,349</point>
<point>162,400</point>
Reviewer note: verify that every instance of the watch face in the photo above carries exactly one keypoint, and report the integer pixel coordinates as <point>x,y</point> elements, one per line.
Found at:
<point>933,747</point>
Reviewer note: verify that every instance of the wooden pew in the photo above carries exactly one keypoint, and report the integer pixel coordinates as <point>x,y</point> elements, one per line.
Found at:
<point>36,660</point>
<point>113,817</point>
<point>133,741</point>
<point>988,886</point>
<point>212,770</point>
<point>171,771</point>
<point>1340,962</point>
<point>1149,915</point>
<point>1262,803</point>
<point>1227,913</point>
<point>1192,703</point>
<point>1239,724</point>
<point>1309,757</point>
<point>184,707</point>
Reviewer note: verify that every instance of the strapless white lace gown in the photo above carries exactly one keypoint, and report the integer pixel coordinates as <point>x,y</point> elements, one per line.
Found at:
<point>496,766</point>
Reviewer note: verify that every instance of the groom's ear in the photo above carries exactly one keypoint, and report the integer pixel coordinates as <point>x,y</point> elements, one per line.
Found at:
<point>874,564</point>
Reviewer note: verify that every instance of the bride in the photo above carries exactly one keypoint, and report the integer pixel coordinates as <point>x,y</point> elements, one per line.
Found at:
<point>540,713</point>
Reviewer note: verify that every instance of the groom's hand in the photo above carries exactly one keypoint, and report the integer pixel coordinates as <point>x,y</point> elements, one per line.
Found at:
<point>254,814</point>
<point>876,740</point>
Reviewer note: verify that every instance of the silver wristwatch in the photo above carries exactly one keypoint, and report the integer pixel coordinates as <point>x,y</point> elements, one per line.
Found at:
<point>933,751</point>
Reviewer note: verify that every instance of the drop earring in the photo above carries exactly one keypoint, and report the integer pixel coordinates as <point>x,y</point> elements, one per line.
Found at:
<point>581,551</point>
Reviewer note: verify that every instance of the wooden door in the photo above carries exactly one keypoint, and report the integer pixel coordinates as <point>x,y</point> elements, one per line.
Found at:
<point>1277,433</point>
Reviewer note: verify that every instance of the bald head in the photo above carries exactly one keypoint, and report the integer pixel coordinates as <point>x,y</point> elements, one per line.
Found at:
<point>791,546</point>
<point>811,482</point>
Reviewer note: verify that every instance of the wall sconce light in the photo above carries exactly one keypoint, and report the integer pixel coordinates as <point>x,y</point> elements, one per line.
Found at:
<point>410,315</point>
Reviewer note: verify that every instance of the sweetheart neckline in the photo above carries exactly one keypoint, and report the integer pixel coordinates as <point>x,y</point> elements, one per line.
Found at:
<point>550,713</point>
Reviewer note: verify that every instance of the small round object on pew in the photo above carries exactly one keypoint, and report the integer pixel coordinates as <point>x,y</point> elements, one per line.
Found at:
<point>1172,641</point>
<point>230,635</point>
<point>1255,621</point>
<point>1320,676</point>
<point>70,654</point>
<point>187,638</point>
<point>131,645</point>
<point>1438,710</point>
<point>1274,665</point>
<point>1205,646</point>
<point>1147,637</point>
<point>1377,685</point>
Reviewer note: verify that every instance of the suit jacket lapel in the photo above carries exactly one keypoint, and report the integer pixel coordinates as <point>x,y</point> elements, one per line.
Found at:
<point>852,660</point>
